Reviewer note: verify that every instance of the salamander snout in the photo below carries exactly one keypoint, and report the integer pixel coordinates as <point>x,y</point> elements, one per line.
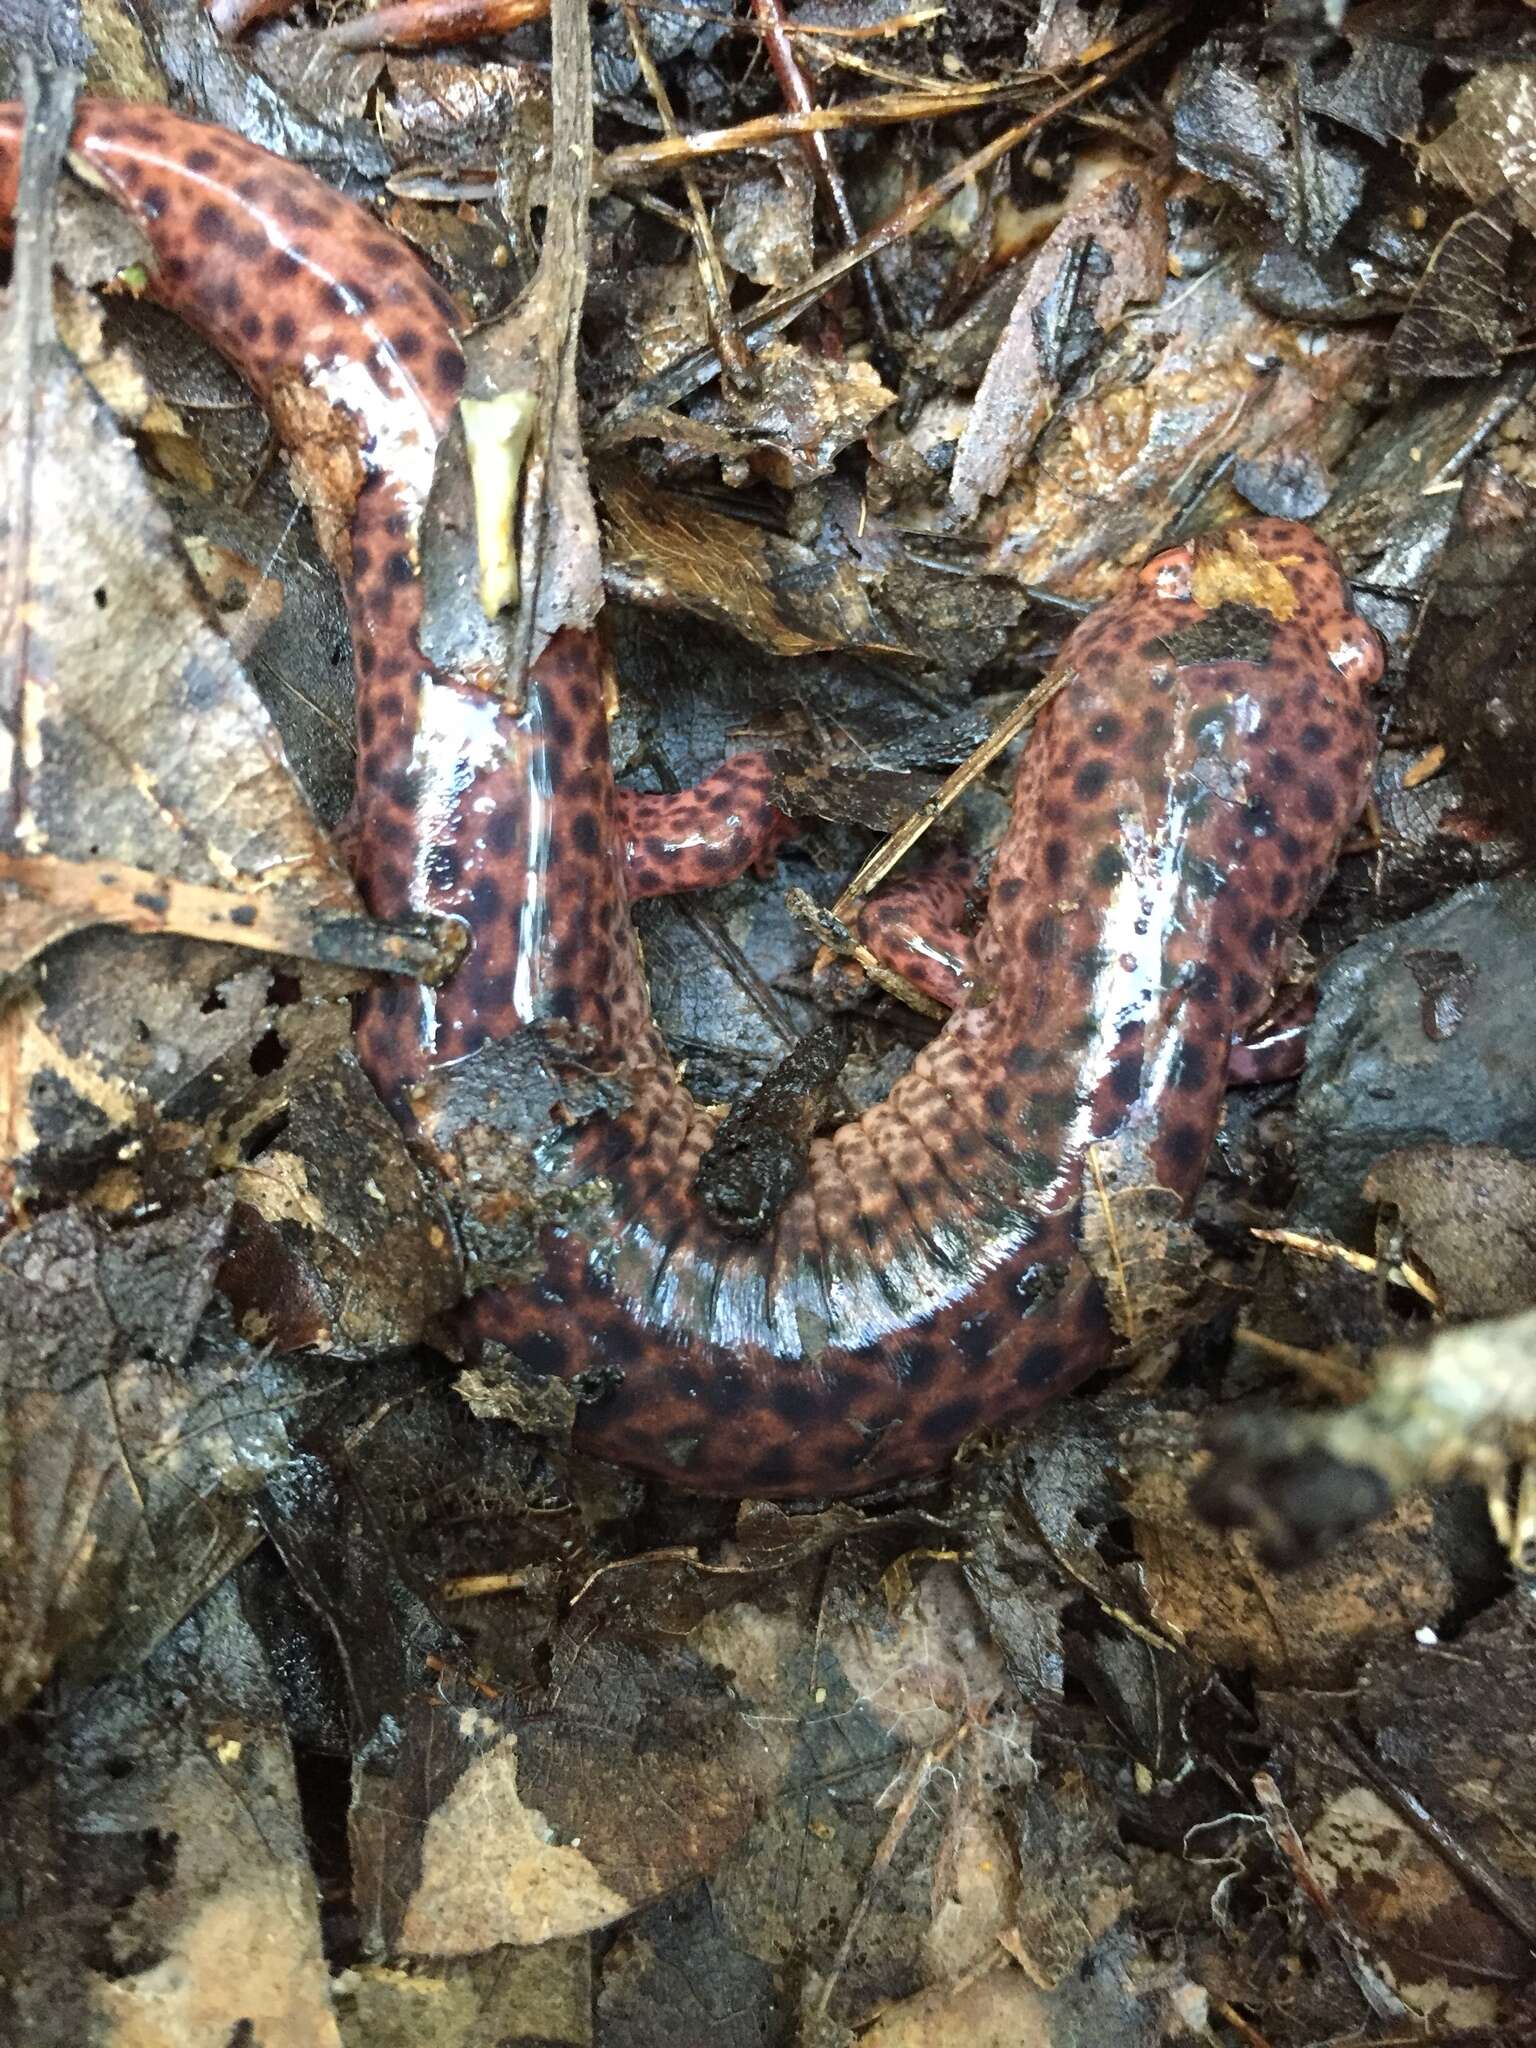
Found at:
<point>1277,567</point>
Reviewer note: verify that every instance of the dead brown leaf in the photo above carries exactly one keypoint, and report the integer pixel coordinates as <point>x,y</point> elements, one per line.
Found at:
<point>139,738</point>
<point>1108,251</point>
<point>129,1449</point>
<point>665,549</point>
<point>1149,1259</point>
<point>209,1926</point>
<point>339,1244</point>
<point>1309,1627</point>
<point>1468,1214</point>
<point>1489,147</point>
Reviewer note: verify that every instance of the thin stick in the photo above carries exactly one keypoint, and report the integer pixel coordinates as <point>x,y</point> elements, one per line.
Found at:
<point>817,152</point>
<point>906,836</point>
<point>723,326</point>
<point>1404,1274</point>
<point>779,308</point>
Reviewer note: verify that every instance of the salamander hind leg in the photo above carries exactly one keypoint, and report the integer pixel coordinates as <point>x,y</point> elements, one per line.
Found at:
<point>915,926</point>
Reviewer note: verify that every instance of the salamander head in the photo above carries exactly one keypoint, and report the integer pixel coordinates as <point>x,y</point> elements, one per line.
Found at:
<point>1283,573</point>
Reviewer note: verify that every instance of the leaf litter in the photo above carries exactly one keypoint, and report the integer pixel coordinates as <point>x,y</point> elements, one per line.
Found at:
<point>344,1708</point>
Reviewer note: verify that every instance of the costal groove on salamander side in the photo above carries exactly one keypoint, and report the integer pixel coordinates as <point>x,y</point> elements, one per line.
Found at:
<point>1176,810</point>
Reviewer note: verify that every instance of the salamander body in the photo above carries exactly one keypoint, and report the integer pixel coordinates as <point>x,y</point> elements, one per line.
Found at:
<point>1176,810</point>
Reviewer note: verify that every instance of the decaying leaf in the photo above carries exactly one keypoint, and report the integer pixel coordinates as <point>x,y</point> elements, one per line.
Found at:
<point>1378,91</point>
<point>663,550</point>
<point>1108,251</point>
<point>1149,1259</point>
<point>764,223</point>
<point>1489,146</point>
<point>338,1243</point>
<point>804,412</point>
<point>1467,1213</point>
<point>1213,1596</point>
<point>207,1925</point>
<point>1439,1947</point>
<point>1205,377</point>
<point>1234,124</point>
<point>1456,325</point>
<point>492,1876</point>
<point>1469,682</point>
<point>131,1447</point>
<point>132,698</point>
<point>1067,1832</point>
<point>139,738</point>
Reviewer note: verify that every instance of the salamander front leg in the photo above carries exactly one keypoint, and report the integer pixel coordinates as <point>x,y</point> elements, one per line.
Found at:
<point>702,837</point>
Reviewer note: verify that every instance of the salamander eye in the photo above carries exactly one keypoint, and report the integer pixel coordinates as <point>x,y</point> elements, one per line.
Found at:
<point>1356,655</point>
<point>1169,574</point>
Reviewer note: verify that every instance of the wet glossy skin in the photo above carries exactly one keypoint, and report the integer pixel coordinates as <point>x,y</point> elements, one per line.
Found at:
<point>307,294</point>
<point>702,836</point>
<point>1177,809</point>
<point>916,926</point>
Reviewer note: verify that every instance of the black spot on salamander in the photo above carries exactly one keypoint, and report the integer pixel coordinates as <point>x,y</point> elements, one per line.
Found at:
<point>210,224</point>
<point>1321,802</point>
<point>1185,1145</point>
<point>1041,1364</point>
<point>796,1401</point>
<point>542,1352</point>
<point>774,1468</point>
<point>951,1420</point>
<point>1191,1069</point>
<point>916,1363</point>
<point>1125,1078</point>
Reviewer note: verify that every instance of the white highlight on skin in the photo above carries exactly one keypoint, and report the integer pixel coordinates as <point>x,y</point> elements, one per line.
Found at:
<point>455,741</point>
<point>948,963</point>
<point>1171,579</point>
<point>536,807</point>
<point>1351,658</point>
<point>402,440</point>
<point>1150,887</point>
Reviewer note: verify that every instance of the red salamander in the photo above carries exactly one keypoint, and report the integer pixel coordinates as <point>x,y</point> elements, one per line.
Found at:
<point>1176,811</point>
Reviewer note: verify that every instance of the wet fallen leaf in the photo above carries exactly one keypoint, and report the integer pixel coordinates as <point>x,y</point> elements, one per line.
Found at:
<point>664,550</point>
<point>1467,1214</point>
<point>207,1924</point>
<point>1489,146</point>
<point>131,1443</point>
<point>1108,251</point>
<point>1456,324</point>
<point>1211,1593</point>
